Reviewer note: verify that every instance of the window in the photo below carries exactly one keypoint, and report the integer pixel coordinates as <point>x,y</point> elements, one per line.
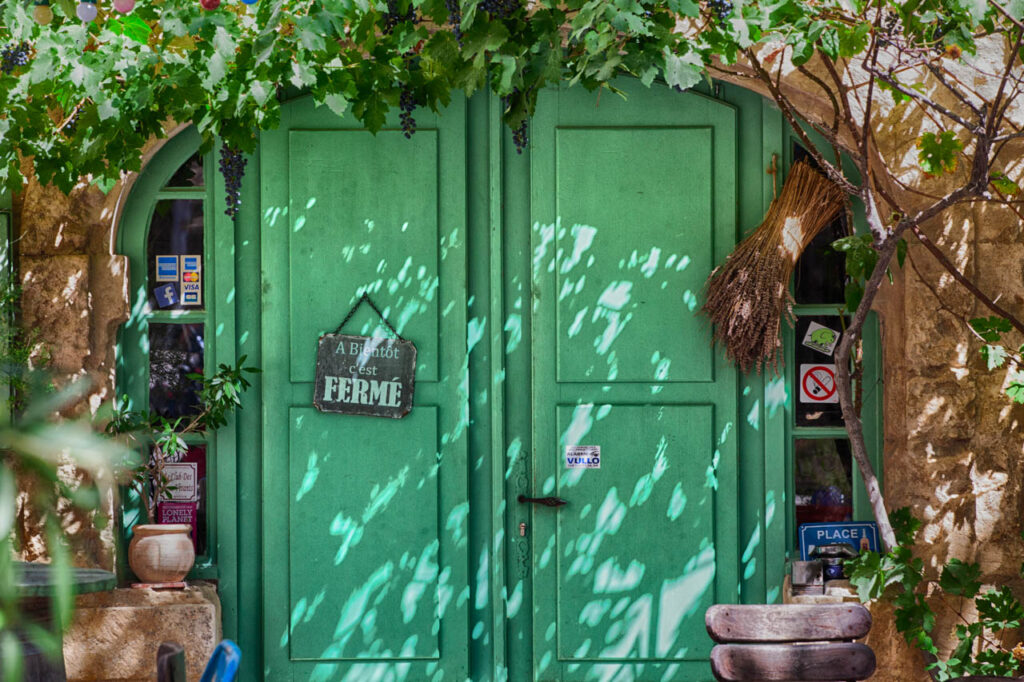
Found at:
<point>823,482</point>
<point>167,235</point>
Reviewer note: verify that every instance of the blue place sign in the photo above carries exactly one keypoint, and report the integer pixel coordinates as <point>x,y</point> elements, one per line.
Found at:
<point>858,534</point>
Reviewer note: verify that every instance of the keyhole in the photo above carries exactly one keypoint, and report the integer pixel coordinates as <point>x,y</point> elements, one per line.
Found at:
<point>522,530</point>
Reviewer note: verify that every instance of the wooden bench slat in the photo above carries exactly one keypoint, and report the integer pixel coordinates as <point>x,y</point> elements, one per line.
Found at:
<point>789,623</point>
<point>792,662</point>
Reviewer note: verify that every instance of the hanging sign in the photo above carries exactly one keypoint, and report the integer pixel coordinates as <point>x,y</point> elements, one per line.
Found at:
<point>582,456</point>
<point>821,338</point>
<point>818,384</point>
<point>366,375</point>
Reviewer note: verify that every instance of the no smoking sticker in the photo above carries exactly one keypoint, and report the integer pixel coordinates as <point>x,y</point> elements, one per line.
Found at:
<point>818,384</point>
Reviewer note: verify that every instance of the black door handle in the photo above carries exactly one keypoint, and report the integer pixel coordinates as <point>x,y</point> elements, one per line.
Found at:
<point>546,501</point>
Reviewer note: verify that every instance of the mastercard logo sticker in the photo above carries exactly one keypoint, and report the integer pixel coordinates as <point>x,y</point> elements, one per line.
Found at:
<point>190,276</point>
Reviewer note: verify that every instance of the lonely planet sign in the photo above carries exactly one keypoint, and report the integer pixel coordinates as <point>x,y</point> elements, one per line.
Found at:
<point>367,375</point>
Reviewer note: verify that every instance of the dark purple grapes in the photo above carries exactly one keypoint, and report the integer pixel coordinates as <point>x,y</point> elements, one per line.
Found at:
<point>455,18</point>
<point>499,9</point>
<point>232,167</point>
<point>519,133</point>
<point>519,137</point>
<point>71,125</point>
<point>407,103</point>
<point>14,55</point>
<point>721,8</point>
<point>393,17</point>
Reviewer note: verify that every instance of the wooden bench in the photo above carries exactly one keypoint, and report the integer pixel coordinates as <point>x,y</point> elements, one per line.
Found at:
<point>794,642</point>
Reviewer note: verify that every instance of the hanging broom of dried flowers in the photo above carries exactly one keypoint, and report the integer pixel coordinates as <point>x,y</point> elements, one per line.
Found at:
<point>746,296</point>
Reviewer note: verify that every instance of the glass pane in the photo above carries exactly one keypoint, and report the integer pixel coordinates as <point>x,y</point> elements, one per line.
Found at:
<point>190,174</point>
<point>175,351</point>
<point>817,337</point>
<point>822,480</point>
<point>174,255</point>
<point>188,502</point>
<point>820,274</point>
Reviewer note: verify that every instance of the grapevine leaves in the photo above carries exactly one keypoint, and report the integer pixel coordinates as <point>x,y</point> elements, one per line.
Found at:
<point>226,70</point>
<point>937,154</point>
<point>997,610</point>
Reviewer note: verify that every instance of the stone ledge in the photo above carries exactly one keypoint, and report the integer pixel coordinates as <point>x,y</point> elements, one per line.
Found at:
<point>115,635</point>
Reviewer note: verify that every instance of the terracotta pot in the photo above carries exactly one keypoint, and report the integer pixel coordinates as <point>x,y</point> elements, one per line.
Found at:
<point>161,552</point>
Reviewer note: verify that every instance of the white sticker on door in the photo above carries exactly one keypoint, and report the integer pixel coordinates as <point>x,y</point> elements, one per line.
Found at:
<point>582,456</point>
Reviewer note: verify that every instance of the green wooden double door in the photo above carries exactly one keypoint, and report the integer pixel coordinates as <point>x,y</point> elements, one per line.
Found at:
<point>553,298</point>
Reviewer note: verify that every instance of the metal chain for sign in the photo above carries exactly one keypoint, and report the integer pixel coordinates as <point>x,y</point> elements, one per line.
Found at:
<point>365,298</point>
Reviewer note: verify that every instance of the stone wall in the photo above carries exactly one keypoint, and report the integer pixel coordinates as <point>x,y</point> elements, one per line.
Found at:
<point>75,293</point>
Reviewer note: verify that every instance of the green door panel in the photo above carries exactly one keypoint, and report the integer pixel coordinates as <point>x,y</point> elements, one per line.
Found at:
<point>616,178</point>
<point>613,579</point>
<point>365,519</point>
<point>632,205</point>
<point>355,597</point>
<point>377,227</point>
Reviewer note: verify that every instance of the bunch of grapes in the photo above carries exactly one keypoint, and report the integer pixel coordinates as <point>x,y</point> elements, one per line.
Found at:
<point>721,8</point>
<point>393,17</point>
<point>499,9</point>
<point>519,136</point>
<point>13,55</point>
<point>455,18</point>
<point>71,125</point>
<point>232,167</point>
<point>407,103</point>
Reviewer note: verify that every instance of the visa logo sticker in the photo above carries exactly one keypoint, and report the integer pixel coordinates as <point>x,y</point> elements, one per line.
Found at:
<point>167,268</point>
<point>191,293</point>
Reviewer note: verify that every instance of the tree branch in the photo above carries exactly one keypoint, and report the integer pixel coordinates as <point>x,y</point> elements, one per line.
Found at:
<point>833,173</point>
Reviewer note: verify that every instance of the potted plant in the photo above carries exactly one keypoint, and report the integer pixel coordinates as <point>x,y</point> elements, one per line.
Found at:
<point>163,552</point>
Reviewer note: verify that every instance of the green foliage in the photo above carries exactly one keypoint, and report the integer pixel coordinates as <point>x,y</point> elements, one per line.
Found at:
<point>861,259</point>
<point>960,579</point>
<point>938,154</point>
<point>1004,184</point>
<point>32,448</point>
<point>991,328</point>
<point>219,395</point>
<point>23,352</point>
<point>91,95</point>
<point>900,577</point>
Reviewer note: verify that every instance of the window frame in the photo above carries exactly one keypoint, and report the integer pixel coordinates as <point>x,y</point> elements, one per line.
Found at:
<point>217,315</point>
<point>872,381</point>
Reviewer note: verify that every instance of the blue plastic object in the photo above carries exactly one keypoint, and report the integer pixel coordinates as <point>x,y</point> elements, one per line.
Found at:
<point>223,664</point>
